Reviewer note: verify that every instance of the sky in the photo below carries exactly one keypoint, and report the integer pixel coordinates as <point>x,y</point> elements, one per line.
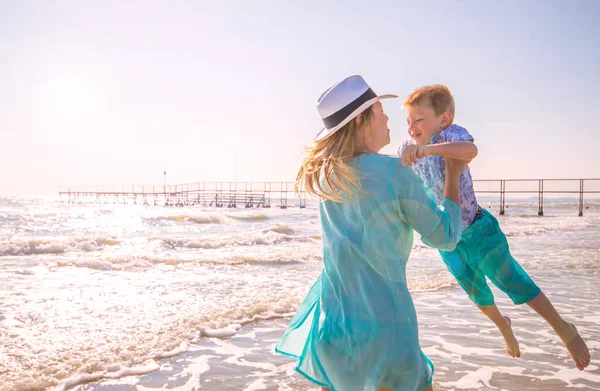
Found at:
<point>103,93</point>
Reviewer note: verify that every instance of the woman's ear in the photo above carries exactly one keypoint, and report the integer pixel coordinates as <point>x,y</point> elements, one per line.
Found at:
<point>358,120</point>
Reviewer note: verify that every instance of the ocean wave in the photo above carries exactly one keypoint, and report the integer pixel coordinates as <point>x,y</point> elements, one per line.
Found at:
<point>209,218</point>
<point>525,230</point>
<point>248,217</point>
<point>527,226</point>
<point>281,229</point>
<point>198,219</point>
<point>277,234</point>
<point>265,238</point>
<point>141,262</point>
<point>117,371</point>
<point>135,353</point>
<point>36,247</point>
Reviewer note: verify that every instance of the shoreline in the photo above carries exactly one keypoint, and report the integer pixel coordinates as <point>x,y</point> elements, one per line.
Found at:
<point>466,349</point>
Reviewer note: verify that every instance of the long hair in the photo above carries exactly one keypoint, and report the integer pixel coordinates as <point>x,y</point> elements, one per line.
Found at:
<point>324,171</point>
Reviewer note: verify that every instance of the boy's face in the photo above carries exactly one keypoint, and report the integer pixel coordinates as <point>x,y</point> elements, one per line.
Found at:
<point>423,123</point>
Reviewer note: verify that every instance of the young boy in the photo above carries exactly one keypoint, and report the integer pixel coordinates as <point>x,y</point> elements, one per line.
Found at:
<point>483,250</point>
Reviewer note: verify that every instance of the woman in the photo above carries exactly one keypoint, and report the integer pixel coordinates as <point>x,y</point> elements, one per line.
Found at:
<point>357,327</point>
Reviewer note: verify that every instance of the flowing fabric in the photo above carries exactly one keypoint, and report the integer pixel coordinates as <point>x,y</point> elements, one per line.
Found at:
<point>357,327</point>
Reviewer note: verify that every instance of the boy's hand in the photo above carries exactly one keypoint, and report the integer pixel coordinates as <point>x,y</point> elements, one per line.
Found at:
<point>412,153</point>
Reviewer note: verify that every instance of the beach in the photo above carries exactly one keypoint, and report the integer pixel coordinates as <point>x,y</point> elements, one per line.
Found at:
<point>124,297</point>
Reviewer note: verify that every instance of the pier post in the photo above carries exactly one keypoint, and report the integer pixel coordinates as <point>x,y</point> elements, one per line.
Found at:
<point>502,196</point>
<point>580,197</point>
<point>541,198</point>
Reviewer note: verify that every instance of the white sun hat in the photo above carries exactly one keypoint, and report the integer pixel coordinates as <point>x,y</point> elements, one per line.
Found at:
<point>343,102</point>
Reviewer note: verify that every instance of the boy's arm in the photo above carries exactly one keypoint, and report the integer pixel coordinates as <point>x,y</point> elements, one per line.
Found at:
<point>462,150</point>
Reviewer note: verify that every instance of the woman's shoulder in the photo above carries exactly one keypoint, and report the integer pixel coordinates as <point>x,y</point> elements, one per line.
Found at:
<point>375,160</point>
<point>383,166</point>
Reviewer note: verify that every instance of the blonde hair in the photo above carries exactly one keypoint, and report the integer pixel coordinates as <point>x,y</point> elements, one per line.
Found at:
<point>438,96</point>
<point>324,170</point>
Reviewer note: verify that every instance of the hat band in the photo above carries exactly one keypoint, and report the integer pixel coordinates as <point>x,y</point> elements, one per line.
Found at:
<point>336,118</point>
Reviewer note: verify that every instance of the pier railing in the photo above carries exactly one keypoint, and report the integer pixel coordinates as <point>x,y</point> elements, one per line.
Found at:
<point>281,194</point>
<point>545,189</point>
<point>219,194</point>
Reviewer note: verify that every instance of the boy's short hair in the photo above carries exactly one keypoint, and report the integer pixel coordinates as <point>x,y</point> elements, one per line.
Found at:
<point>438,96</point>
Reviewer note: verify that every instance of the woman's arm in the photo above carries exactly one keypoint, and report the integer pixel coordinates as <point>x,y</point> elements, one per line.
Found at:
<point>440,226</point>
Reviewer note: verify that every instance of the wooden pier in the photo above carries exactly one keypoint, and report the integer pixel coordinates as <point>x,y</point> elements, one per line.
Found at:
<point>282,195</point>
<point>217,194</point>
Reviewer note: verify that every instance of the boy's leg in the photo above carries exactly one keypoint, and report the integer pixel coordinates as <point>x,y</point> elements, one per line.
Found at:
<point>566,331</point>
<point>491,253</point>
<point>504,324</point>
<point>473,282</point>
<point>505,272</point>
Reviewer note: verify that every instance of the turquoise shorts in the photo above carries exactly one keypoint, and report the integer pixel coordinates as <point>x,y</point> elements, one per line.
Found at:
<point>483,252</point>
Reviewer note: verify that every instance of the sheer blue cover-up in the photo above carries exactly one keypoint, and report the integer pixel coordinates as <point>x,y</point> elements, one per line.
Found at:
<point>357,327</point>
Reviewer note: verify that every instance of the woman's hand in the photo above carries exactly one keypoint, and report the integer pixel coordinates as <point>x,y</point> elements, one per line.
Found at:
<point>455,165</point>
<point>452,185</point>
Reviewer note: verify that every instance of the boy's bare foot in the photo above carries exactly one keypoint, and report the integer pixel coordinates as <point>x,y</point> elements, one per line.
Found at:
<point>576,346</point>
<point>512,345</point>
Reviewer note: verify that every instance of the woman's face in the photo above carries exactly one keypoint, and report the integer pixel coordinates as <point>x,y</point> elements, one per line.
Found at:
<point>375,134</point>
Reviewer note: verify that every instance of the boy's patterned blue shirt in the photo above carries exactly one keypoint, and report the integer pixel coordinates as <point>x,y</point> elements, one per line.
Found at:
<point>432,169</point>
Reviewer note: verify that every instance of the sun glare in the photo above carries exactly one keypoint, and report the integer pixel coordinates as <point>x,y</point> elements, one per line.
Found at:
<point>67,97</point>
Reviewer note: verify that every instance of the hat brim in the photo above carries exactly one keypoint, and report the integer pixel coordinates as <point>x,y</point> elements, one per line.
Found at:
<point>325,132</point>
